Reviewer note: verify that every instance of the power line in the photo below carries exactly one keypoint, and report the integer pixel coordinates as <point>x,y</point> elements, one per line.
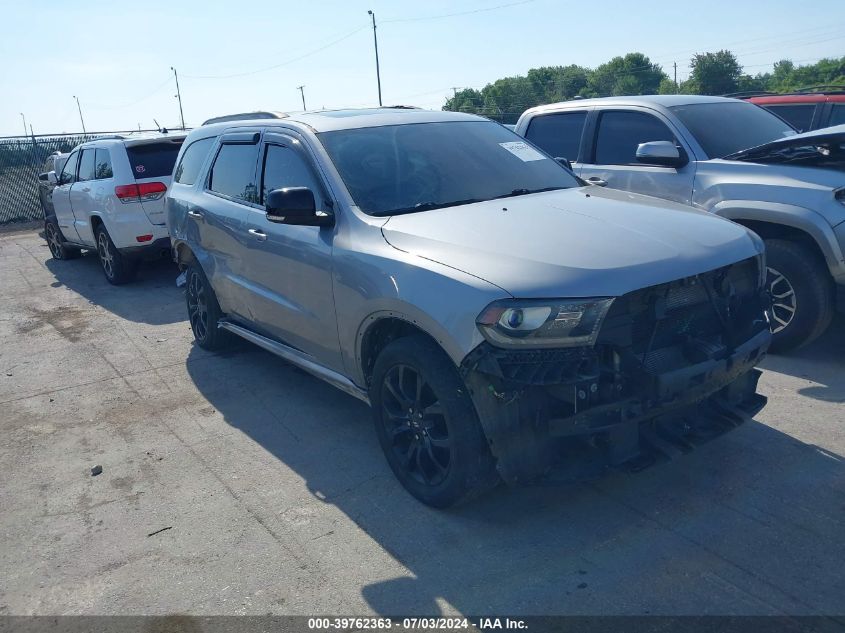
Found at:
<point>458,13</point>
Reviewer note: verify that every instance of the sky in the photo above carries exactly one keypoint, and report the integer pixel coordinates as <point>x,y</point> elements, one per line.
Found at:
<point>116,56</point>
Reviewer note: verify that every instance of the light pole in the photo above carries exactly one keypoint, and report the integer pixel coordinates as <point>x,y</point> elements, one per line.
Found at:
<point>24,124</point>
<point>375,43</point>
<point>302,92</point>
<point>79,107</point>
<point>179,96</point>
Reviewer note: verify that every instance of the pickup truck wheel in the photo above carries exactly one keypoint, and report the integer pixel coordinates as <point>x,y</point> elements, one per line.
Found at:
<point>59,249</point>
<point>427,425</point>
<point>802,294</point>
<point>117,268</point>
<point>203,310</point>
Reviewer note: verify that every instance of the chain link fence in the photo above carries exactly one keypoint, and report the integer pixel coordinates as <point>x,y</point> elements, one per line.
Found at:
<point>22,160</point>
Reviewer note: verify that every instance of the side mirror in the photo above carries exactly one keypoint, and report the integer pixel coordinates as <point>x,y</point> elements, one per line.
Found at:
<point>295,205</point>
<point>51,178</point>
<point>564,161</point>
<point>664,153</point>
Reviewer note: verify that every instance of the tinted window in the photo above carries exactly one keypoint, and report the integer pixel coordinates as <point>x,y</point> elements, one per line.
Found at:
<point>799,116</point>
<point>284,167</point>
<point>69,170</point>
<point>621,132</point>
<point>153,160</point>
<point>414,167</point>
<point>103,165</point>
<point>192,160</point>
<point>86,165</point>
<point>837,114</point>
<point>558,134</point>
<point>233,172</point>
<point>725,127</point>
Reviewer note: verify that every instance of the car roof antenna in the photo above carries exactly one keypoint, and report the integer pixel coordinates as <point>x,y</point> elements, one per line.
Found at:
<point>163,130</point>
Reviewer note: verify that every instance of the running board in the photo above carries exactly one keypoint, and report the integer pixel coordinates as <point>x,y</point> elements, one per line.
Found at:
<point>297,358</point>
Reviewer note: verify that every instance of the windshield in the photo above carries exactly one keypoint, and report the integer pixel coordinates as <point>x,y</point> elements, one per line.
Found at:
<point>415,167</point>
<point>727,127</point>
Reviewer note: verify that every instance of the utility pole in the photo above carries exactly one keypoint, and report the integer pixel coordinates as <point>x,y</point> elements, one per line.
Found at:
<point>375,43</point>
<point>302,92</point>
<point>675,64</point>
<point>24,123</point>
<point>79,107</point>
<point>179,96</point>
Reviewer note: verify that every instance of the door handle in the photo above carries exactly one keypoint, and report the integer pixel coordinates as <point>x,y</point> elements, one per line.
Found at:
<point>195,214</point>
<point>598,182</point>
<point>259,234</point>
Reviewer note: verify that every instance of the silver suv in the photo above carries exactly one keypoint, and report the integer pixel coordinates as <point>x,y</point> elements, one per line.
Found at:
<point>500,318</point>
<point>731,158</point>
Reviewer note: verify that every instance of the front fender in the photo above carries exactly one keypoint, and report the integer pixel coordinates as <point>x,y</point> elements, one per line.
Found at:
<point>803,219</point>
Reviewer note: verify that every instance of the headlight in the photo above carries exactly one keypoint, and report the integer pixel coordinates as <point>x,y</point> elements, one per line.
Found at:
<point>543,323</point>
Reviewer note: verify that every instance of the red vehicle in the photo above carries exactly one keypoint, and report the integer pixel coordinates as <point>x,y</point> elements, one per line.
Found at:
<point>805,109</point>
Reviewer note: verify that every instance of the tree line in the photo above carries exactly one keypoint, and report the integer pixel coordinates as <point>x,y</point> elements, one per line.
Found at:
<point>716,73</point>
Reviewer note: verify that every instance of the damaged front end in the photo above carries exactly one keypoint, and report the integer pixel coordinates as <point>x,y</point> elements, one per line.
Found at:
<point>666,368</point>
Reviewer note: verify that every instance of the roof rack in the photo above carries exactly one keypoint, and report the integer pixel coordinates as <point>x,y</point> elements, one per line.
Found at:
<point>246,116</point>
<point>749,93</point>
<point>823,88</point>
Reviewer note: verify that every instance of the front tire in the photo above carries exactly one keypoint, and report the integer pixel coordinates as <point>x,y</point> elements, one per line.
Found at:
<point>59,249</point>
<point>203,310</point>
<point>117,268</point>
<point>802,294</point>
<point>427,425</point>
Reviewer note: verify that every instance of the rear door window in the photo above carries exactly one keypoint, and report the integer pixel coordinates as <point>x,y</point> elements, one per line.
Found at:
<point>102,167</point>
<point>798,115</point>
<point>837,114</point>
<point>620,132</point>
<point>559,135</point>
<point>192,160</point>
<point>233,172</point>
<point>153,160</point>
<point>86,165</point>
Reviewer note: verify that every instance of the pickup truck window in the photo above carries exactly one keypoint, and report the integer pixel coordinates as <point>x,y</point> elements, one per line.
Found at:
<point>559,134</point>
<point>726,127</point>
<point>283,167</point>
<point>837,114</point>
<point>233,172</point>
<point>395,169</point>
<point>798,115</point>
<point>621,131</point>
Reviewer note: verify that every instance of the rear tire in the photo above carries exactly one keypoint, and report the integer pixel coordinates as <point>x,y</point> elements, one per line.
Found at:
<point>427,425</point>
<point>117,268</point>
<point>59,248</point>
<point>203,310</point>
<point>802,294</point>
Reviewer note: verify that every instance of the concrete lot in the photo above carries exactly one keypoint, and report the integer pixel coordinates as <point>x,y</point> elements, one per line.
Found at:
<point>275,498</point>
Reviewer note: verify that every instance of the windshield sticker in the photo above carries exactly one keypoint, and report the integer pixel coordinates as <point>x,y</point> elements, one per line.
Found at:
<point>522,151</point>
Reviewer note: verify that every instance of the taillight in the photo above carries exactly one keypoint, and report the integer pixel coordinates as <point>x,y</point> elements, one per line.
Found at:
<point>140,191</point>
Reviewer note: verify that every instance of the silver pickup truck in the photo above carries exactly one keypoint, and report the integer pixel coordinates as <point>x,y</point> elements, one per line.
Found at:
<point>731,158</point>
<point>501,318</point>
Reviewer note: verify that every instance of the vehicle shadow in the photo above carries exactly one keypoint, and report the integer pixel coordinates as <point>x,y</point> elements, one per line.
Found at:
<point>822,362</point>
<point>748,524</point>
<point>131,301</point>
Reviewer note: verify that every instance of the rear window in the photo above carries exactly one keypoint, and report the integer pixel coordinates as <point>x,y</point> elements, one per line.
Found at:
<point>153,160</point>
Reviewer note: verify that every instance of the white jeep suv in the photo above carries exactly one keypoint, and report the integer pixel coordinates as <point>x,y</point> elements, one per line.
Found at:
<point>109,196</point>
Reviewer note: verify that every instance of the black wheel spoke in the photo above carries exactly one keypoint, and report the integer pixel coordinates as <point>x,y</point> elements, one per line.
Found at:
<point>439,442</point>
<point>430,451</point>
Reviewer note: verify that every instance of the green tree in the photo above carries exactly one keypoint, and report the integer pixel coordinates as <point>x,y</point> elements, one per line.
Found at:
<point>633,74</point>
<point>714,73</point>
<point>667,87</point>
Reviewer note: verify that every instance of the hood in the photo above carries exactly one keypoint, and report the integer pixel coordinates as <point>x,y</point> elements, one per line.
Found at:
<point>584,242</point>
<point>819,148</point>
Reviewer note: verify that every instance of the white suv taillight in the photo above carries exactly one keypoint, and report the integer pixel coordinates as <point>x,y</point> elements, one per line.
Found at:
<point>140,192</point>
